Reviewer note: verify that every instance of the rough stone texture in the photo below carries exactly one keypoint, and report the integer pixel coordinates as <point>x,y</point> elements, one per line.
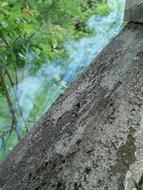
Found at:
<point>89,137</point>
<point>134,11</point>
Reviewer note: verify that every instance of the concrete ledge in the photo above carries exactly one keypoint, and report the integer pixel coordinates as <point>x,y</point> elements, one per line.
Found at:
<point>88,138</point>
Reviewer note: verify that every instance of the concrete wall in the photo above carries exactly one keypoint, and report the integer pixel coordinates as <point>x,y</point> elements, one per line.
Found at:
<point>92,135</point>
<point>134,11</point>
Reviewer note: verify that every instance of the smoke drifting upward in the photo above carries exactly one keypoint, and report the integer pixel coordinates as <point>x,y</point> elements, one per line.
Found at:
<point>38,92</point>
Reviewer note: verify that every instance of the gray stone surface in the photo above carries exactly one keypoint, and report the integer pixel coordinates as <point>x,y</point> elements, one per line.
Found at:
<point>91,138</point>
<point>134,11</point>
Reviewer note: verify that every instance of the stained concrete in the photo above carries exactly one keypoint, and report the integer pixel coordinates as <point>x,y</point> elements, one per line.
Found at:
<point>89,139</point>
<point>134,11</point>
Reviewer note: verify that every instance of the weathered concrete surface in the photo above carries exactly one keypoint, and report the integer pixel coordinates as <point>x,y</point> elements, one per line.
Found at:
<point>88,139</point>
<point>134,11</point>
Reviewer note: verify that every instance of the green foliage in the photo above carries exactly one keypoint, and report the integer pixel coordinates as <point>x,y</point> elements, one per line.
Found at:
<point>27,25</point>
<point>103,9</point>
<point>39,27</point>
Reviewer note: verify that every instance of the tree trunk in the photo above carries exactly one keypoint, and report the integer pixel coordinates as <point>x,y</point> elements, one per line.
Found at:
<point>91,138</point>
<point>16,98</point>
<point>10,103</point>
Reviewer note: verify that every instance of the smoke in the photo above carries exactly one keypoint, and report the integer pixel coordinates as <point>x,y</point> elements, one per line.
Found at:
<point>37,93</point>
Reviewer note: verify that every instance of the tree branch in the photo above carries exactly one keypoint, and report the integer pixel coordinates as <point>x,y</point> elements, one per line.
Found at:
<point>10,104</point>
